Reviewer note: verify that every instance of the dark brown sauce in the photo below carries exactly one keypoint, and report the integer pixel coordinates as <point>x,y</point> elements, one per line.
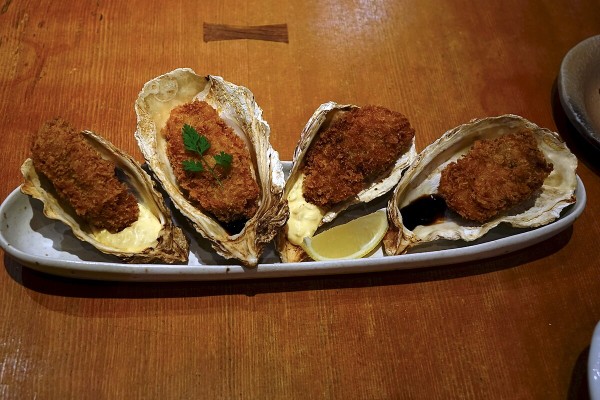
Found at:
<point>234,227</point>
<point>425,210</point>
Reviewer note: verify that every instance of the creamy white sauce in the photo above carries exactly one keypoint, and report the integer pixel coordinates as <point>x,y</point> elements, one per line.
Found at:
<point>304,217</point>
<point>136,237</point>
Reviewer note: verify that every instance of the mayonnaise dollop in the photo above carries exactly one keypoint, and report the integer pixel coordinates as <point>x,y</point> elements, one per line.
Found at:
<point>304,217</point>
<point>136,237</point>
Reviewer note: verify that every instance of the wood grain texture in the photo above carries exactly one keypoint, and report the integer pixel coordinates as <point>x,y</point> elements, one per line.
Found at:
<point>512,327</point>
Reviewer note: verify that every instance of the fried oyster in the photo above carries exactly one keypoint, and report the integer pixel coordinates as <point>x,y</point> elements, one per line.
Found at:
<point>102,194</point>
<point>359,146</point>
<point>82,178</point>
<point>238,208</point>
<point>346,155</point>
<point>494,176</point>
<point>232,193</point>
<point>490,171</point>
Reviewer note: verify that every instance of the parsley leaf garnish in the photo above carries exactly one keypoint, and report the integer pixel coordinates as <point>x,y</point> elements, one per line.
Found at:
<point>193,166</point>
<point>223,159</point>
<point>199,144</point>
<point>193,141</point>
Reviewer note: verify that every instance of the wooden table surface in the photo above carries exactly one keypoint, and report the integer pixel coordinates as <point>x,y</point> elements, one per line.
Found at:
<point>514,327</point>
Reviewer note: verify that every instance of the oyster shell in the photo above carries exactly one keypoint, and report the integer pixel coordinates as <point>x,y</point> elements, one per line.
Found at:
<point>300,209</point>
<point>135,244</point>
<point>423,178</point>
<point>237,107</point>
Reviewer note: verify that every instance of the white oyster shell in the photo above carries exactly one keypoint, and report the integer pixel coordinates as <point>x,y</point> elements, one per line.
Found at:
<point>423,178</point>
<point>320,120</point>
<point>237,107</point>
<point>169,246</point>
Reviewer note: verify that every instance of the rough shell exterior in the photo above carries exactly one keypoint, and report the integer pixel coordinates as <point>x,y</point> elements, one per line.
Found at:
<point>320,119</point>
<point>171,246</point>
<point>423,178</point>
<point>236,105</point>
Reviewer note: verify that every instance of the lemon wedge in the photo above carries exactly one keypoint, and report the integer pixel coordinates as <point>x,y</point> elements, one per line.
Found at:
<point>354,239</point>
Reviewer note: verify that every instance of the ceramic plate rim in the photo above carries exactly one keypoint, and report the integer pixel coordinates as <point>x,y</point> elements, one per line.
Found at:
<point>594,364</point>
<point>162,272</point>
<point>575,111</point>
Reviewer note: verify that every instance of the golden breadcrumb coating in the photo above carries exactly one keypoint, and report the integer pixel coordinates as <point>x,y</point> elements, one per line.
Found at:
<point>237,197</point>
<point>82,178</point>
<point>355,149</point>
<point>494,176</point>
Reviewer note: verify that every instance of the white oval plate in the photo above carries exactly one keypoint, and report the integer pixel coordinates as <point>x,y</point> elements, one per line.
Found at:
<point>594,365</point>
<point>49,246</point>
<point>579,88</point>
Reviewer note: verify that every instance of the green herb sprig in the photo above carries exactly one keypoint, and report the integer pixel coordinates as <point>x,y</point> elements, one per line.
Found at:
<point>199,144</point>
